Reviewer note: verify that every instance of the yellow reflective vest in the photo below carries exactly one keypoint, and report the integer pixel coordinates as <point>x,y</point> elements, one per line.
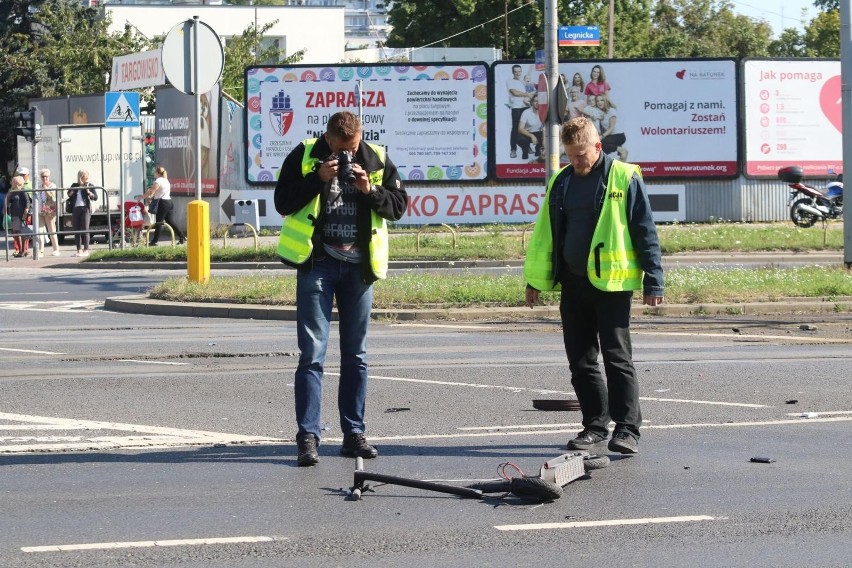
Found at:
<point>612,264</point>
<point>295,243</point>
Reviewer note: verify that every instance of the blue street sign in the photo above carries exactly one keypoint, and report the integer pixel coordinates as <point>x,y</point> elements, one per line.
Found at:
<point>578,35</point>
<point>121,109</point>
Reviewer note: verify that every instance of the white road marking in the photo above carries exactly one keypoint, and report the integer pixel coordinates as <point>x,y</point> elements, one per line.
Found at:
<point>736,336</point>
<point>797,422</point>
<point>19,294</point>
<point>605,523</point>
<point>51,306</point>
<point>715,402</point>
<point>547,391</point>
<point>140,436</point>
<point>151,362</point>
<point>31,351</point>
<point>822,412</point>
<point>147,543</point>
<point>443,326</point>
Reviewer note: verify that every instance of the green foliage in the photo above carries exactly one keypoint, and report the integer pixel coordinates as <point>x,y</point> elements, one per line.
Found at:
<point>643,28</point>
<point>250,49</point>
<point>53,48</point>
<point>822,35</point>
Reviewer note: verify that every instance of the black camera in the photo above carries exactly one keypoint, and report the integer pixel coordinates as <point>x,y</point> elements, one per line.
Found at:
<point>344,167</point>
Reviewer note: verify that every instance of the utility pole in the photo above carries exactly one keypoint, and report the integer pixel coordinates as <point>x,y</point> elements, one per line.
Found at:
<point>551,62</point>
<point>610,42</point>
<point>846,105</point>
<point>505,28</point>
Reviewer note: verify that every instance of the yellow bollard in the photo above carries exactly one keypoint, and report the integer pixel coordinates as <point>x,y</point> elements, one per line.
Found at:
<point>198,241</point>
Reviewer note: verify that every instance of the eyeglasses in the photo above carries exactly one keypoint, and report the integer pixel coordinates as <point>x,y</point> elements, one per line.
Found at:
<point>44,177</point>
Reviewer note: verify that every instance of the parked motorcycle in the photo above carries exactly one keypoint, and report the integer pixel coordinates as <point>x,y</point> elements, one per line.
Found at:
<point>808,204</point>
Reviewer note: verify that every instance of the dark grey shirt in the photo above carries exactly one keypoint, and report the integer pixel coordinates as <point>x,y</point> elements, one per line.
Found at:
<point>581,208</point>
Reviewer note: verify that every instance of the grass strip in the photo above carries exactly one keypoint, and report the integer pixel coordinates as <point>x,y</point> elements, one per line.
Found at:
<point>688,285</point>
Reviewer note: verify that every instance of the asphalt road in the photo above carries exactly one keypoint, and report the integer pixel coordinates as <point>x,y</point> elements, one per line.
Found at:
<point>132,440</point>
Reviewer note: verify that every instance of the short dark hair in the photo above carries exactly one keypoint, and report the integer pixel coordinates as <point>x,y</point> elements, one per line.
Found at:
<point>343,125</point>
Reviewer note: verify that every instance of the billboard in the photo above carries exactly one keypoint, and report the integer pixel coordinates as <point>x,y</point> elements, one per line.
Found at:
<point>675,118</point>
<point>792,116</point>
<point>432,118</point>
<point>175,145</point>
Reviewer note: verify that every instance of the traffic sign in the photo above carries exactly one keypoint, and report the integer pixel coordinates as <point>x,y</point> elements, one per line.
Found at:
<point>543,94</point>
<point>180,59</point>
<point>121,109</point>
<point>578,35</point>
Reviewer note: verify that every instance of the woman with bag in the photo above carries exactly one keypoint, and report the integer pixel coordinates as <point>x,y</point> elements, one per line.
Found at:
<point>18,208</point>
<point>47,213</point>
<point>80,196</point>
<point>160,194</point>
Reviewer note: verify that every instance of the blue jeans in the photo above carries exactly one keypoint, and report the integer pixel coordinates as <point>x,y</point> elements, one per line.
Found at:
<point>331,279</point>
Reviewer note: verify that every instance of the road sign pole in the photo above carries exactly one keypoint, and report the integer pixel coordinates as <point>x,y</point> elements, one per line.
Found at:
<point>121,192</point>
<point>195,90</point>
<point>551,61</point>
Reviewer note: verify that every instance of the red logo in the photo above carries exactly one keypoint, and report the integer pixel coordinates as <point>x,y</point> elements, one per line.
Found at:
<point>680,74</point>
<point>829,102</point>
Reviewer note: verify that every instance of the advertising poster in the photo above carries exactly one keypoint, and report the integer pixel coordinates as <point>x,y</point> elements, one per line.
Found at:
<point>792,116</point>
<point>175,146</point>
<point>675,118</point>
<point>432,118</point>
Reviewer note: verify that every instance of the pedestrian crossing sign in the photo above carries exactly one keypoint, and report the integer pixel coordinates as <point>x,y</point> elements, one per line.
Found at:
<point>121,109</point>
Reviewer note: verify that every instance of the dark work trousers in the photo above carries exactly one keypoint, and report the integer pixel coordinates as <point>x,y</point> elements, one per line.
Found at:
<point>596,322</point>
<point>164,213</point>
<point>516,119</point>
<point>81,215</point>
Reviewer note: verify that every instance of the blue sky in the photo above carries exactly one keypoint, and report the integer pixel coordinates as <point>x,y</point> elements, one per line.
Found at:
<point>780,14</point>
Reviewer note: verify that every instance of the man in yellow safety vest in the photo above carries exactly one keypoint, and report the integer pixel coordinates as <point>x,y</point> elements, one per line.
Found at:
<point>595,239</point>
<point>336,194</point>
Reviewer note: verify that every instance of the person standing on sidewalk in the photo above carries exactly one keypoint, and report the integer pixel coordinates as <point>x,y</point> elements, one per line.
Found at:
<point>160,194</point>
<point>337,194</point>
<point>47,215</point>
<point>595,239</point>
<point>81,194</point>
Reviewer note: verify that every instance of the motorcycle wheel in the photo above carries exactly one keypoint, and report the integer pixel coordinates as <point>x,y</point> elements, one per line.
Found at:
<point>802,218</point>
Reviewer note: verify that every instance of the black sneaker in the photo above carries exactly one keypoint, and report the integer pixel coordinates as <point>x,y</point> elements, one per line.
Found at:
<point>307,446</point>
<point>585,440</point>
<point>624,442</point>
<point>356,446</point>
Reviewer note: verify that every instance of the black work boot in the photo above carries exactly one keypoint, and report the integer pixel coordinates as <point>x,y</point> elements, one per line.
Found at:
<point>355,446</point>
<point>307,450</point>
<point>585,440</point>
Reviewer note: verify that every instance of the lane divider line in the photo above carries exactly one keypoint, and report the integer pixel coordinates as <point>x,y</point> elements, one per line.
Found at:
<point>146,544</point>
<point>605,523</point>
<point>31,351</point>
<point>151,362</point>
<point>548,391</point>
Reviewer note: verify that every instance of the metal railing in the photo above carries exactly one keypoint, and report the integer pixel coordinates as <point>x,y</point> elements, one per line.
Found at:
<point>59,198</point>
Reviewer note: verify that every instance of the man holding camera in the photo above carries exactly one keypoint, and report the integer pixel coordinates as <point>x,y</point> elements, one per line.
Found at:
<point>336,194</point>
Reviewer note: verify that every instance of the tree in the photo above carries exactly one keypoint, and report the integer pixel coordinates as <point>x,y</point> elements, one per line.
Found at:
<point>791,43</point>
<point>822,35</point>
<point>249,49</point>
<point>53,48</point>
<point>643,28</point>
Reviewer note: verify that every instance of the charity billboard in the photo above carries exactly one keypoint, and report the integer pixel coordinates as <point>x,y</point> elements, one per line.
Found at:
<point>432,118</point>
<point>675,118</point>
<point>792,116</point>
